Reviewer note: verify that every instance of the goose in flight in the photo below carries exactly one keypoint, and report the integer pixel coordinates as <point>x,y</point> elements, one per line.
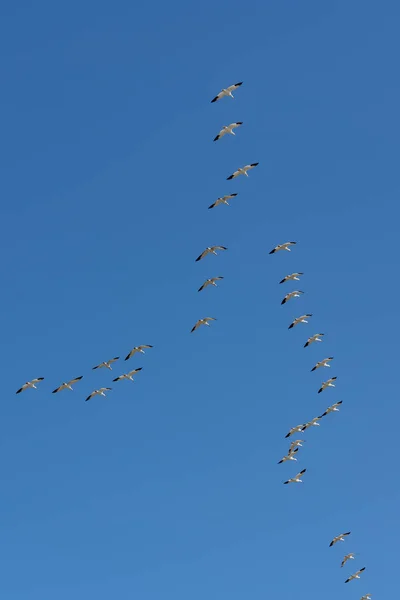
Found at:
<point>289,456</point>
<point>367,597</point>
<point>322,363</point>
<point>128,375</point>
<point>67,385</point>
<point>355,575</point>
<point>291,277</point>
<point>350,556</point>
<point>333,408</point>
<point>296,444</point>
<point>29,384</point>
<point>210,282</point>
<point>326,384</point>
<point>222,200</point>
<point>312,423</point>
<point>314,338</point>
<point>293,430</point>
<point>227,91</point>
<point>285,246</point>
<point>228,129</point>
<point>296,478</point>
<point>339,538</point>
<point>107,364</point>
<point>242,171</point>
<point>210,250</point>
<point>301,319</point>
<point>294,294</point>
<point>202,322</point>
<point>137,349</point>
<point>99,392</point>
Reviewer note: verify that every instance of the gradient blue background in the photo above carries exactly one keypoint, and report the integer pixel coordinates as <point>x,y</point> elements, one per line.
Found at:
<point>169,487</point>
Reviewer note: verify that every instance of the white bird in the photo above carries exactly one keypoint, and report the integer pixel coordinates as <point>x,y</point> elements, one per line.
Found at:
<point>314,338</point>
<point>322,363</point>
<point>289,456</point>
<point>222,200</point>
<point>242,171</point>
<point>296,444</point>
<point>210,250</point>
<point>106,364</point>
<point>29,384</point>
<point>128,375</point>
<point>202,322</point>
<point>99,392</point>
<point>284,246</point>
<point>210,282</point>
<point>367,597</point>
<point>296,478</point>
<point>228,129</point>
<point>350,556</point>
<point>293,430</point>
<point>326,384</point>
<point>227,91</point>
<point>339,538</point>
<point>136,349</point>
<point>355,575</point>
<point>312,423</point>
<point>67,385</point>
<point>301,319</point>
<point>294,294</point>
<point>292,277</point>
<point>333,408</point>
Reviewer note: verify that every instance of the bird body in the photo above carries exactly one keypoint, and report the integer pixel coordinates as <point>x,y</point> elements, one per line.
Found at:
<point>323,363</point>
<point>202,322</point>
<point>302,319</point>
<point>296,478</point>
<point>293,430</point>
<point>99,392</point>
<point>291,277</point>
<point>128,375</point>
<point>285,246</point>
<point>312,423</point>
<point>29,384</point>
<point>367,597</point>
<point>289,456</point>
<point>209,282</point>
<point>228,129</point>
<point>314,338</point>
<point>68,385</point>
<point>227,91</point>
<point>333,408</point>
<point>222,200</point>
<point>355,575</point>
<point>296,444</point>
<point>339,538</point>
<point>106,364</point>
<point>139,349</point>
<point>210,250</point>
<point>326,384</point>
<point>350,556</point>
<point>242,171</point>
<point>294,294</point>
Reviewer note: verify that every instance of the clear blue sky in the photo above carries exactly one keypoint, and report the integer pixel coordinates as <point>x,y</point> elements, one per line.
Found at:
<point>169,487</point>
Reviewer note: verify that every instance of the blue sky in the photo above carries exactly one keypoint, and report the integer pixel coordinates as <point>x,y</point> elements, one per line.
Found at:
<point>169,487</point>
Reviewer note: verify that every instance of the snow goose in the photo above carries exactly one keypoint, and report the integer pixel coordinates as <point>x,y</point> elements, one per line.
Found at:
<point>284,246</point>
<point>128,375</point>
<point>322,363</point>
<point>202,322</point>
<point>106,364</point>
<point>339,538</point>
<point>228,129</point>
<point>296,478</point>
<point>67,385</point>
<point>296,444</point>
<point>210,250</point>
<point>99,392</point>
<point>29,384</point>
<point>209,282</point>
<point>289,456</point>
<point>242,171</point>
<point>355,575</point>
<point>326,384</point>
<point>333,408</point>
<point>312,423</point>
<point>293,430</point>
<point>227,91</point>
<point>298,320</point>
<point>139,349</point>
<point>291,277</point>
<point>367,597</point>
<point>294,294</point>
<point>314,338</point>
<point>350,556</point>
<point>222,200</point>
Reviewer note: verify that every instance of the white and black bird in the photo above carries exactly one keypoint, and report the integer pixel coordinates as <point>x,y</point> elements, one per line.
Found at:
<point>210,250</point>
<point>355,575</point>
<point>333,408</point>
<point>285,246</point>
<point>29,384</point>
<point>202,322</point>
<point>314,338</point>
<point>326,384</point>
<point>106,364</point>
<point>293,430</point>
<point>349,556</point>
<point>227,91</point>
<point>339,538</point>
<point>222,200</point>
<point>99,392</point>
<point>139,349</point>
<point>323,363</point>
<point>312,423</point>
<point>367,597</point>
<point>209,282</point>
<point>68,385</point>
<point>289,456</point>
<point>296,444</point>
<point>128,375</point>
<point>296,478</point>
<point>290,295</point>
<point>242,171</point>
<point>291,277</point>
<point>228,129</point>
<point>302,319</point>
